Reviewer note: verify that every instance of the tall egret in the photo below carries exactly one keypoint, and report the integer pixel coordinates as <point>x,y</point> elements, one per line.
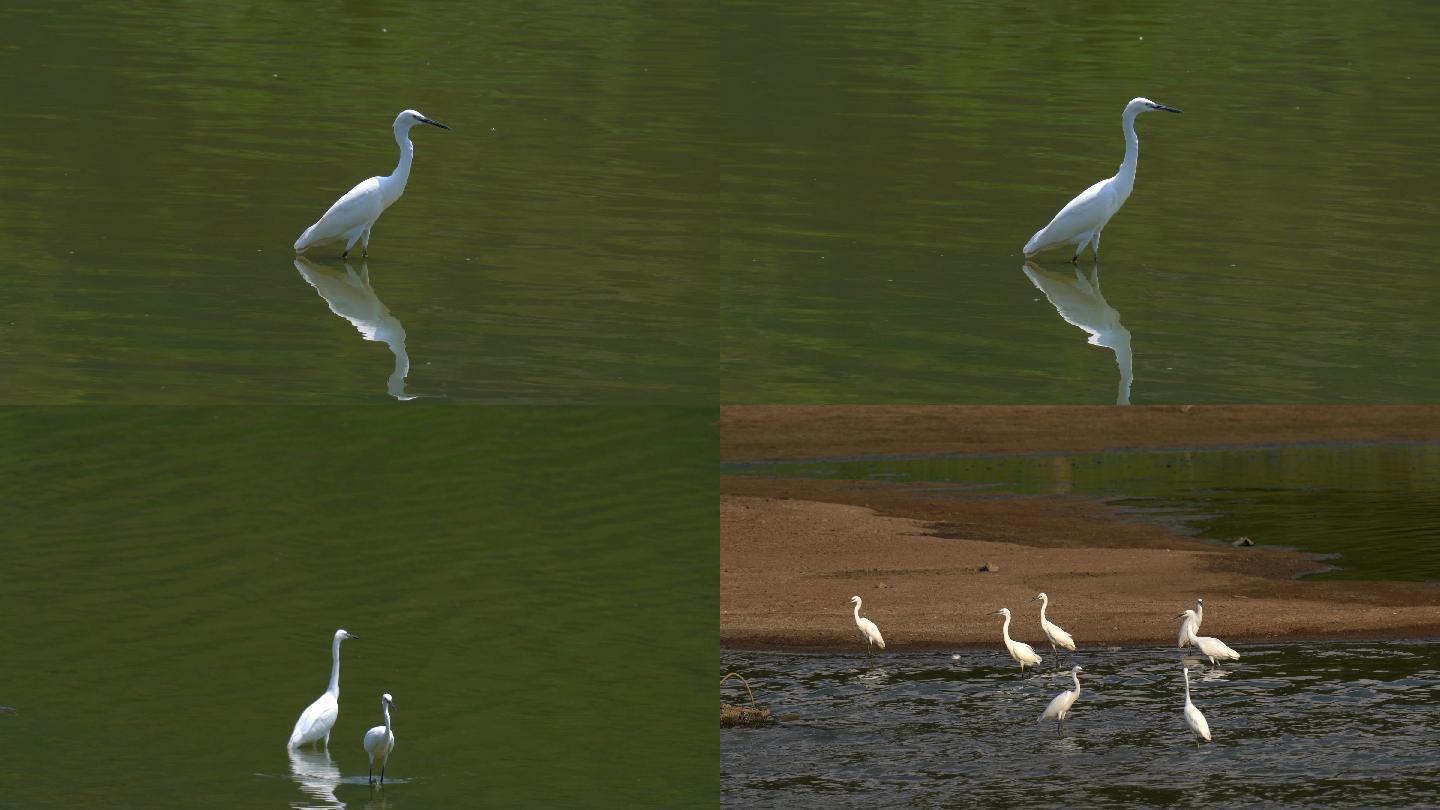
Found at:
<point>1212,648</point>
<point>1190,626</point>
<point>380,740</point>
<point>1057,635</point>
<point>1193,718</point>
<point>319,717</point>
<point>1060,706</point>
<point>353,215</point>
<point>868,631</point>
<point>1019,650</point>
<point>1079,223</point>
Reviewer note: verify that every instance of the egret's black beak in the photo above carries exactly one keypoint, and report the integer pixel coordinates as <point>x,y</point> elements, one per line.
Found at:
<point>442,126</point>
<point>1158,107</point>
<point>352,635</point>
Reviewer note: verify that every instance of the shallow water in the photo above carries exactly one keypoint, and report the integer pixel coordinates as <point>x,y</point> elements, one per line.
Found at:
<point>882,169</point>
<point>159,163</point>
<point>530,584</point>
<point>1377,507</point>
<point>1294,724</point>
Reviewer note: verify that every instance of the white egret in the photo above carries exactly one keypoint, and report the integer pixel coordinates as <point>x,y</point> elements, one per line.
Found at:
<point>1082,219</point>
<point>1193,718</point>
<point>380,740</point>
<point>353,215</point>
<point>868,631</point>
<point>1059,708</point>
<point>319,717</point>
<point>1019,650</point>
<point>1056,634</point>
<point>1212,648</point>
<point>1190,626</point>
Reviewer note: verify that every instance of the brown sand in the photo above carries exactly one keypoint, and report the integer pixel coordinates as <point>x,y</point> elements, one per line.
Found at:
<point>774,432</point>
<point>792,552</point>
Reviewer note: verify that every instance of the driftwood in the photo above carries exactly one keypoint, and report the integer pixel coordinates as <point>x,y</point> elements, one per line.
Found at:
<point>732,715</point>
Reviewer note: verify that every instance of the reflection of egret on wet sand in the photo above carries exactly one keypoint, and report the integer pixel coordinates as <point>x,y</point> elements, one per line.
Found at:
<point>350,296</point>
<point>317,776</point>
<point>1076,296</point>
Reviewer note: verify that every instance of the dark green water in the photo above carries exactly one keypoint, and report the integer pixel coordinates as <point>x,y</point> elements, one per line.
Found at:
<point>534,586</point>
<point>883,166</point>
<point>1376,506</point>
<point>159,162</point>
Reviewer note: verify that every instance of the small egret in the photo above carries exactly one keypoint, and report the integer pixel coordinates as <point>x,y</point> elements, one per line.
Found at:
<point>1059,708</point>
<point>319,717</point>
<point>1079,223</point>
<point>1019,650</point>
<point>1212,648</point>
<point>353,215</point>
<point>1057,635</point>
<point>1190,626</point>
<point>868,631</point>
<point>380,740</point>
<point>1193,718</point>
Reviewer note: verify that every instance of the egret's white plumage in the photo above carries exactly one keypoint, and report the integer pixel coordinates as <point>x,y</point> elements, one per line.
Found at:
<point>353,215</point>
<point>1193,718</point>
<point>1082,219</point>
<point>1019,650</point>
<point>1210,647</point>
<point>380,740</point>
<point>319,717</point>
<point>868,631</point>
<point>1190,626</point>
<point>1059,707</point>
<point>1056,634</point>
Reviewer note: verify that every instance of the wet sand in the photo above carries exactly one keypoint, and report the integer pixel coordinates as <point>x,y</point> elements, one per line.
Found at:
<point>776,432</point>
<point>793,551</point>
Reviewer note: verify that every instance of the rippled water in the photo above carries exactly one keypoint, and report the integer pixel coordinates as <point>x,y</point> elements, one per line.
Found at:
<point>529,583</point>
<point>883,167</point>
<point>1295,724</point>
<point>1375,506</point>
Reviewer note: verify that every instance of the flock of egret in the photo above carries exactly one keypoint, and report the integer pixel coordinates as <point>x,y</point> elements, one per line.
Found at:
<point>319,717</point>
<point>1059,708</point>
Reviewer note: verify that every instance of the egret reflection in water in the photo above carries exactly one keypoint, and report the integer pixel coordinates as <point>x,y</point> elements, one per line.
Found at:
<point>350,296</point>
<point>1076,296</point>
<point>317,776</point>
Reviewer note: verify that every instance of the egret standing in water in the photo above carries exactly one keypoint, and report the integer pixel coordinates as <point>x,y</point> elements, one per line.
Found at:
<point>1190,626</point>
<point>1212,648</point>
<point>353,215</point>
<point>380,740</point>
<point>1193,718</point>
<point>1060,706</point>
<point>1054,632</point>
<point>319,717</point>
<point>1019,650</point>
<point>868,631</point>
<point>1079,223</point>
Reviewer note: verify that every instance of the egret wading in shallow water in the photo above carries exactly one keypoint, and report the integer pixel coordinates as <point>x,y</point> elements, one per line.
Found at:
<point>1059,708</point>
<point>319,717</point>
<point>1212,648</point>
<point>1191,626</point>
<point>1019,650</point>
<point>353,215</point>
<point>1082,219</point>
<point>380,740</point>
<point>1056,634</point>
<point>1193,718</point>
<point>868,631</point>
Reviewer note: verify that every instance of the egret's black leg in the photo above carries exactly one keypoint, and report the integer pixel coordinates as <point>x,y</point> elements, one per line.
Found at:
<point>370,774</point>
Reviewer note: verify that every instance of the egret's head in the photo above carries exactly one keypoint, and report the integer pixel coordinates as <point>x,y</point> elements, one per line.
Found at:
<point>1188,614</point>
<point>1001,612</point>
<point>1144,105</point>
<point>410,118</point>
<point>1199,601</point>
<point>386,700</point>
<point>1039,597</point>
<point>341,635</point>
<point>1079,668</point>
<point>854,600</point>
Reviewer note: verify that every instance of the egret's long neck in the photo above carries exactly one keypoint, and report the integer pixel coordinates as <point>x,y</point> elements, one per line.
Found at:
<point>393,186</point>
<point>387,715</point>
<point>1076,676</point>
<point>334,687</point>
<point>1043,603</point>
<point>1199,613</point>
<point>1187,686</point>
<point>1126,175</point>
<point>857,612</point>
<point>1005,630</point>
